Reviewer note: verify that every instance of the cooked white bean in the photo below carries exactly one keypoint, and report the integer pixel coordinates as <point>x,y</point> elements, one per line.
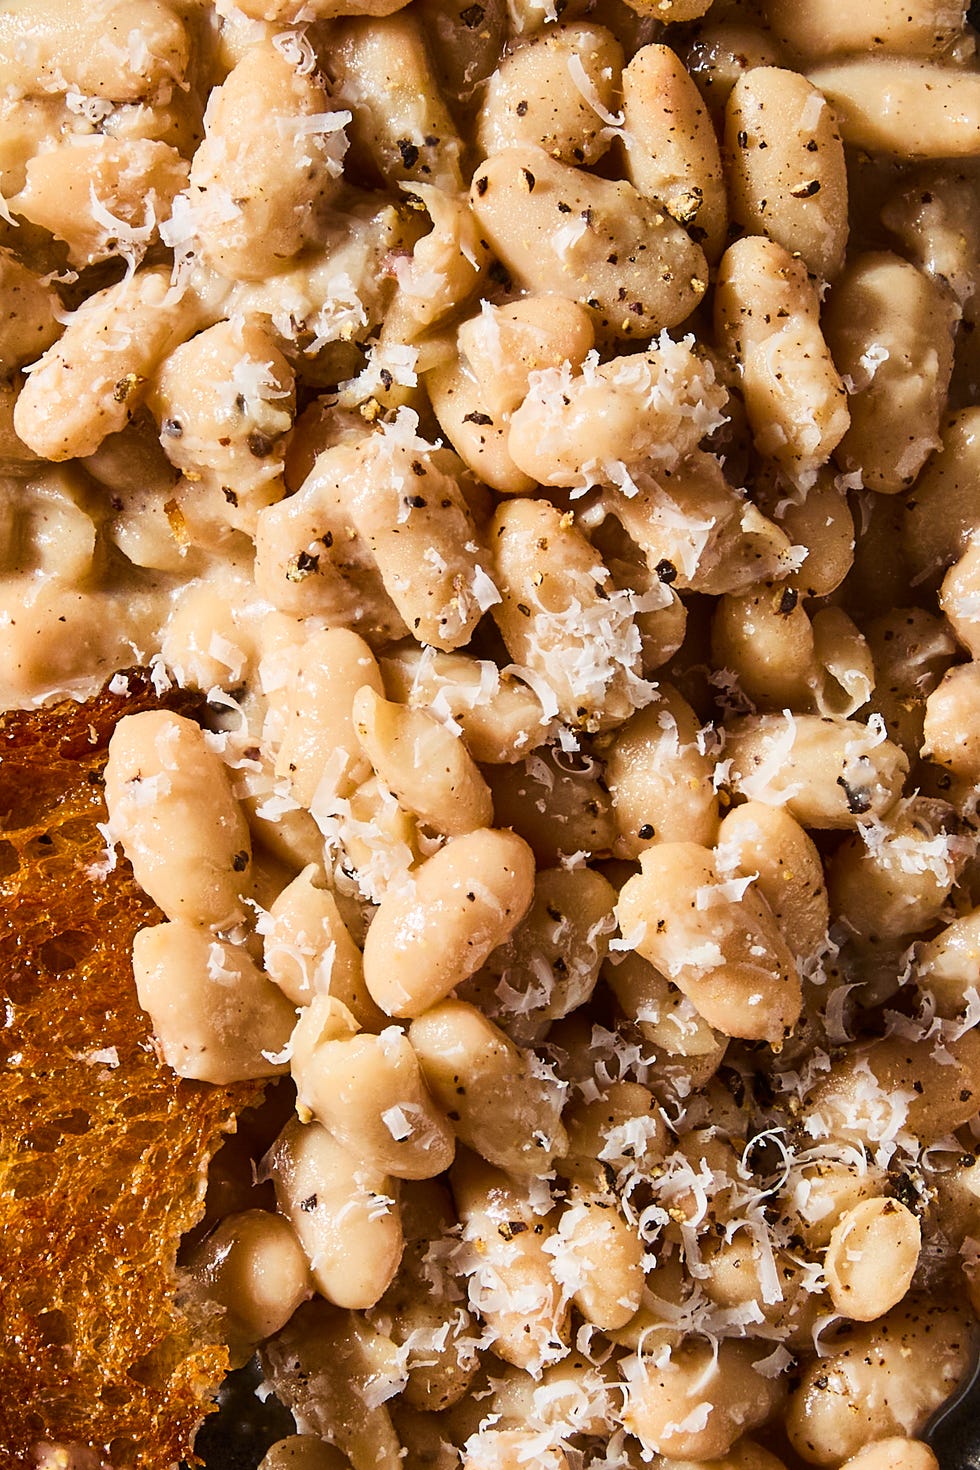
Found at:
<point>344,1212</point>
<point>874,1385</point>
<point>827,772</point>
<point>458,906</point>
<point>890,329</point>
<point>172,807</point>
<point>715,938</point>
<point>767,316</point>
<point>697,1405</point>
<point>871,1258</point>
<point>308,950</point>
<point>525,1314</point>
<point>270,160</point>
<point>90,382</point>
<point>424,765</point>
<point>215,1016</point>
<point>501,1102</point>
<point>891,104</point>
<point>671,149</point>
<point>311,690</point>
<point>554,91</point>
<point>555,228</point>
<point>785,167</point>
<point>767,841</point>
<point>253,1267</point>
<point>500,718</point>
<point>52,47</point>
<point>369,1092</point>
<point>659,776</point>
<point>578,640</point>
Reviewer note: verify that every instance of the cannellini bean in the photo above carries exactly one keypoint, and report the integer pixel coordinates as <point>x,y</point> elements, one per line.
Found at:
<point>786,172</point>
<point>171,805</point>
<point>524,1310</point>
<point>544,94</point>
<point>501,1104</point>
<point>29,326</point>
<point>827,772</point>
<point>550,965</point>
<point>344,1212</point>
<point>71,189</point>
<point>881,28</point>
<point>271,158</point>
<point>558,805</point>
<point>894,1453</point>
<point>659,777</point>
<point>767,317</point>
<point>369,1092</point>
<point>720,1398</point>
<point>51,47</point>
<point>697,532</point>
<point>308,950</point>
<point>312,700</point>
<point>557,618</point>
<point>890,328</point>
<point>944,511</point>
<point>603,1257</point>
<point>893,879</point>
<point>90,382</point>
<point>947,965</point>
<point>951,734</point>
<point>459,905</point>
<point>671,149</point>
<point>254,1268</point>
<point>322,1365</point>
<point>872,1384</point>
<point>716,939</point>
<point>893,104</point>
<point>871,1258</point>
<point>224,402</point>
<point>767,841</point>
<point>500,718</point>
<point>423,764</point>
<point>577,430</point>
<point>555,228</point>
<point>381,70</point>
<point>215,1016</point>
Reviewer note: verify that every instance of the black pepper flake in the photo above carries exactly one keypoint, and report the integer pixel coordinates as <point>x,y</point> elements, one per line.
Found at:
<point>564,208</point>
<point>408,151</point>
<point>327,539</point>
<point>259,444</point>
<point>416,502</point>
<point>529,179</point>
<point>807,190</point>
<point>309,1203</point>
<point>645,832</point>
<point>482,185</point>
<point>521,108</point>
<point>418,468</point>
<point>858,799</point>
<point>173,428</point>
<point>742,138</point>
<point>229,495</point>
<point>522,607</point>
<point>483,419</point>
<point>666,571</point>
<point>788,601</point>
<point>240,861</point>
<point>472,16</point>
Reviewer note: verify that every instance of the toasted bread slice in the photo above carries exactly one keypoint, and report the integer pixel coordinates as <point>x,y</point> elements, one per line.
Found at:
<point>103,1150</point>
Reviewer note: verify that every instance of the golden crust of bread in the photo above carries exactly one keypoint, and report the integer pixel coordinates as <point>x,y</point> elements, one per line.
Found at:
<point>103,1151</point>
